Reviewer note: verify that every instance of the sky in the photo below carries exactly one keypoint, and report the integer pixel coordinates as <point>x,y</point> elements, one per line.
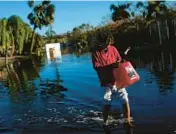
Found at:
<point>68,14</point>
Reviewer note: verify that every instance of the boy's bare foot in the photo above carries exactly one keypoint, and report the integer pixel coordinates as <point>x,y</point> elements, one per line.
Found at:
<point>130,124</point>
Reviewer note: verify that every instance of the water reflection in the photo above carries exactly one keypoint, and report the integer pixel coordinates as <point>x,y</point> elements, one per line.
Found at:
<point>20,78</point>
<point>41,93</point>
<point>125,129</point>
<point>161,65</point>
<point>17,82</point>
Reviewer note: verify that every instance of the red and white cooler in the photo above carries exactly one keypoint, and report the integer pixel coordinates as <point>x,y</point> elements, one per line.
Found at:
<point>125,75</point>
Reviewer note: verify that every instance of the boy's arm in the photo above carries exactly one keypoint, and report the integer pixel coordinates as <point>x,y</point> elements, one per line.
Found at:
<point>118,57</point>
<point>93,61</point>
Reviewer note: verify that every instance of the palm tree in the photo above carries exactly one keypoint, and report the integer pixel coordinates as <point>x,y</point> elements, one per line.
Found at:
<point>120,12</point>
<point>156,9</point>
<point>85,27</point>
<point>50,32</point>
<point>142,8</point>
<point>42,15</point>
<point>152,9</point>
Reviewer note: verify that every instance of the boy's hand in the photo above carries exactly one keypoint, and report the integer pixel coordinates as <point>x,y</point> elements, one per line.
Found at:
<point>116,64</point>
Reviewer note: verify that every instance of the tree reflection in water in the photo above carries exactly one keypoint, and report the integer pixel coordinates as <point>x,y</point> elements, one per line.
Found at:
<point>161,65</point>
<point>20,78</point>
<point>164,71</point>
<point>40,102</point>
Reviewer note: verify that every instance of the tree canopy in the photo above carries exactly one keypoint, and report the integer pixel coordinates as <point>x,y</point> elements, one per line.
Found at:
<point>41,15</point>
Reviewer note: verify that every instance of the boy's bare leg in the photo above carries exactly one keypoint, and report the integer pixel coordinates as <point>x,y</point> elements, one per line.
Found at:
<point>105,112</point>
<point>126,109</point>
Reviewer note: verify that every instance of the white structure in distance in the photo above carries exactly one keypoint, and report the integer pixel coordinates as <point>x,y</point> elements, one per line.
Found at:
<point>53,51</point>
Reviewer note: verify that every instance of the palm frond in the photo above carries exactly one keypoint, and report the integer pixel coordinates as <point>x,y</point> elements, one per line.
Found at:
<point>139,4</point>
<point>113,7</point>
<point>31,3</point>
<point>46,2</point>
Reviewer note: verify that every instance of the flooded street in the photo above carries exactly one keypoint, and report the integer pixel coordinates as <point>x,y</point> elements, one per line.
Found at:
<point>65,95</point>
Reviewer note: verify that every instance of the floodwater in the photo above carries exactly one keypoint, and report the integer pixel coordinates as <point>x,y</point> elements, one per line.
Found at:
<point>65,96</point>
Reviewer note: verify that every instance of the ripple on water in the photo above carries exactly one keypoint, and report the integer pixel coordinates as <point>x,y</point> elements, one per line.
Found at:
<point>73,117</point>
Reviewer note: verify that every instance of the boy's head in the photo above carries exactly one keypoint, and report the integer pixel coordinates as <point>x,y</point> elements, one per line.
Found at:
<point>110,39</point>
<point>101,40</point>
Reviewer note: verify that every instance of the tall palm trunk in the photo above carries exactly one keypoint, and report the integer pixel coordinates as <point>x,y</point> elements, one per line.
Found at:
<point>162,61</point>
<point>137,27</point>
<point>171,61</point>
<point>174,23</point>
<point>167,29</point>
<point>32,41</point>
<point>159,32</point>
<point>150,30</point>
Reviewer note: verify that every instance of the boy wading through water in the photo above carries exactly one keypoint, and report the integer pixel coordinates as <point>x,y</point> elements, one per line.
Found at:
<point>105,58</point>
